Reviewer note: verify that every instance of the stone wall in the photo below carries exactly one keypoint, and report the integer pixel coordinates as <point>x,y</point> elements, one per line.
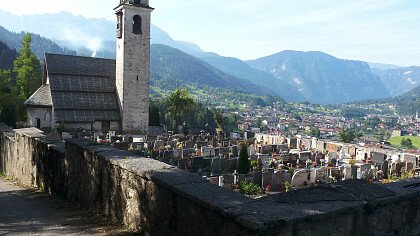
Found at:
<point>152,198</point>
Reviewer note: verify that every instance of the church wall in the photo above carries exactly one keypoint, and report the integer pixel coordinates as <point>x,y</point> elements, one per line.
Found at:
<point>42,114</point>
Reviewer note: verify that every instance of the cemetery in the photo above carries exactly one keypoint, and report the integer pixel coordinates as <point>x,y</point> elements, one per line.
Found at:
<point>278,164</point>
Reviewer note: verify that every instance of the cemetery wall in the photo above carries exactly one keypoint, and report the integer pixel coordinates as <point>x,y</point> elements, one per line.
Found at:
<point>154,199</point>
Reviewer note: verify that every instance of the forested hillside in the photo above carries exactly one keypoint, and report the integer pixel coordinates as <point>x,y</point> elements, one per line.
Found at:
<point>7,56</point>
<point>39,46</point>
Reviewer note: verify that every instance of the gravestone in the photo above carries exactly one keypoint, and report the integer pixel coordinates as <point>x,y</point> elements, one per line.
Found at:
<point>197,163</point>
<point>224,152</point>
<point>257,178</point>
<point>189,144</point>
<point>364,170</point>
<point>398,169</point>
<point>304,155</point>
<point>227,181</point>
<point>230,164</point>
<point>182,164</point>
<point>201,144</point>
<point>267,149</point>
<point>252,151</point>
<point>265,160</point>
<point>187,153</point>
<point>385,169</point>
<point>234,151</point>
<point>214,180</point>
<point>335,173</point>
<point>217,152</point>
<point>301,178</point>
<point>347,172</point>
<point>278,181</point>
<point>216,165</point>
<point>177,153</point>
<point>319,175</point>
<point>354,172</point>
<point>159,144</point>
<point>409,166</point>
<point>267,179</point>
<point>168,154</point>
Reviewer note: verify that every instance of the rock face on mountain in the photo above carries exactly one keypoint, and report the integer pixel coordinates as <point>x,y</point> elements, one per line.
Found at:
<point>322,78</point>
<point>399,80</point>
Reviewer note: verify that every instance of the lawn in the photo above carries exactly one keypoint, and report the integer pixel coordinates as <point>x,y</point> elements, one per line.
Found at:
<point>396,141</point>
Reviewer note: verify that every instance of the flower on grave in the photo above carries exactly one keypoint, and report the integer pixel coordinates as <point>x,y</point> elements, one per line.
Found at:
<point>268,188</point>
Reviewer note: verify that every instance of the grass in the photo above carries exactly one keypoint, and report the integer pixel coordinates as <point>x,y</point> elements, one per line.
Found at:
<point>396,141</point>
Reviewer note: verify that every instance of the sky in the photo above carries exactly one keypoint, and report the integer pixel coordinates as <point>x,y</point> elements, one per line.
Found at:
<point>382,31</point>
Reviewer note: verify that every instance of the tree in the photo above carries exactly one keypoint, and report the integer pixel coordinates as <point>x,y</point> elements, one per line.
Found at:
<point>244,165</point>
<point>347,135</point>
<point>315,132</point>
<point>154,117</point>
<point>28,74</point>
<point>258,122</point>
<point>407,143</point>
<point>7,101</point>
<point>180,104</point>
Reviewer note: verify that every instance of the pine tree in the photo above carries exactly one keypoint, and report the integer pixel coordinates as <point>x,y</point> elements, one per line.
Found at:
<point>244,165</point>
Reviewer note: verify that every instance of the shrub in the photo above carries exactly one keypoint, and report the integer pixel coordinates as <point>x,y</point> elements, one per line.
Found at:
<point>249,188</point>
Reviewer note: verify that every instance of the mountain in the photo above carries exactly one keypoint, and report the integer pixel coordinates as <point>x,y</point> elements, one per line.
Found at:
<point>7,56</point>
<point>322,78</point>
<point>39,45</point>
<point>172,68</point>
<point>399,80</point>
<point>240,69</point>
<point>381,66</point>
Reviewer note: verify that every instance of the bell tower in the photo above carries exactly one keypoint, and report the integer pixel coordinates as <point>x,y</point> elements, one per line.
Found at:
<point>133,64</point>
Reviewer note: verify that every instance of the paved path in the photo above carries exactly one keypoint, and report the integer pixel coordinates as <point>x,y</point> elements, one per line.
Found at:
<point>25,212</point>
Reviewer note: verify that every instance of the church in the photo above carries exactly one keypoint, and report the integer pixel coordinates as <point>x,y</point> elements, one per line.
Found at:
<point>96,93</point>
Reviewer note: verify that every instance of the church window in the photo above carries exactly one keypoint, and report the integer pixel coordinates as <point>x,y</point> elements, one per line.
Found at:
<point>47,117</point>
<point>137,24</point>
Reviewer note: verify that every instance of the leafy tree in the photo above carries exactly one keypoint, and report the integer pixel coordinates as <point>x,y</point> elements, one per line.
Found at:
<point>258,122</point>
<point>28,74</point>
<point>347,135</point>
<point>218,117</point>
<point>179,105</point>
<point>244,165</point>
<point>406,143</point>
<point>28,70</point>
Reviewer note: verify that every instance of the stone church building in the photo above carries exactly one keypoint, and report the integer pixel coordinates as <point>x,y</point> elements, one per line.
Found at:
<point>96,93</point>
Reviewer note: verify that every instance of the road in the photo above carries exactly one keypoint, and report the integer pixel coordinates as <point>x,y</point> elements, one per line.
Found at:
<point>26,212</point>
